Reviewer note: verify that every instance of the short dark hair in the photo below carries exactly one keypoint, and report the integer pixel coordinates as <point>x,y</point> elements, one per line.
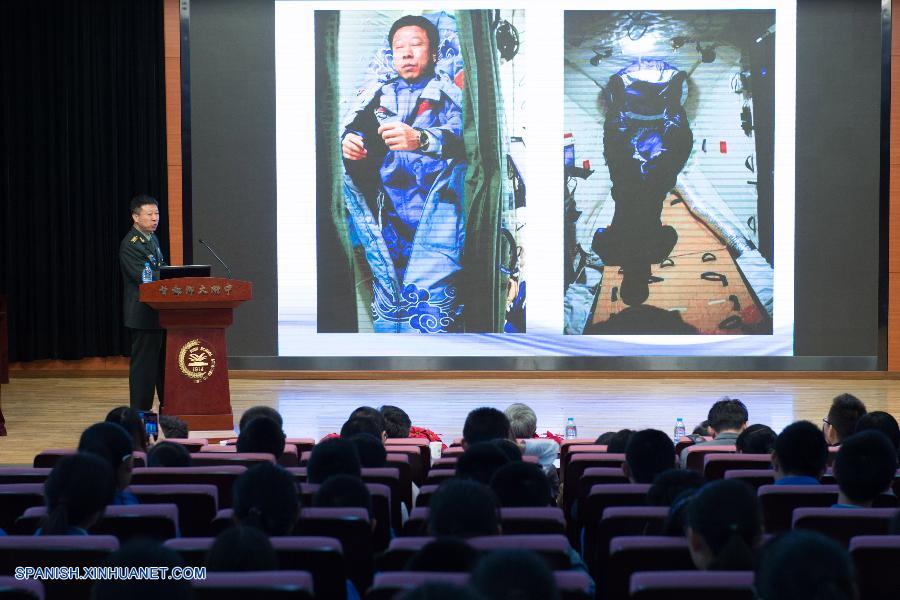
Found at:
<point>332,457</point>
<point>480,462</point>
<point>143,552</point>
<point>805,564</point>
<point>417,21</point>
<point>242,549</point>
<point>726,514</point>
<point>444,554</point>
<point>521,484</point>
<point>649,452</point>
<point>262,435</point>
<point>173,427</point>
<point>619,441</point>
<point>396,422</point>
<point>726,414</point>
<point>865,465</point>
<point>756,439</point>
<point>109,441</point>
<point>845,411</point>
<point>604,438</point>
<point>463,508</point>
<point>356,425</point>
<point>485,424</point>
<point>131,422</point>
<point>343,491</point>
<point>801,449</point>
<point>260,411</point>
<point>79,486</point>
<point>702,429</point>
<point>168,454</point>
<point>670,484</point>
<point>265,496</point>
<point>140,200</point>
<point>370,450</point>
<point>370,413</point>
<point>514,574</point>
<point>880,421</point>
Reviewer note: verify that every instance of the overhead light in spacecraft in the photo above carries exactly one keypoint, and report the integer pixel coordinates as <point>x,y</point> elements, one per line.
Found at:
<point>640,46</point>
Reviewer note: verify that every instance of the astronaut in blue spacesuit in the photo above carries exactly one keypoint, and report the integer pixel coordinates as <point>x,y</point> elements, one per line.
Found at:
<point>404,165</point>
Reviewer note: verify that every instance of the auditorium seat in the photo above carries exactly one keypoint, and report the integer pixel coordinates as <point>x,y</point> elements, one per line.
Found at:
<point>618,521</point>
<point>664,585</point>
<point>15,498</point>
<point>321,556</point>
<point>577,465</point>
<point>418,467</point>
<point>381,509</point>
<point>425,493</point>
<point>842,524</point>
<point>197,504</point>
<point>632,554</point>
<point>401,462</point>
<point>351,526</point>
<point>598,476</point>
<point>156,521</point>
<point>391,584</point>
<point>49,457</point>
<point>303,444</point>
<point>261,585</point>
<point>437,475</point>
<point>221,459</point>
<point>223,477</point>
<point>26,589</point>
<point>445,463</point>
<point>715,464</point>
<point>876,557</point>
<point>576,449</point>
<point>779,501</point>
<point>288,458</point>
<point>452,451</point>
<point>191,444</point>
<point>390,477</point>
<point>753,477</point>
<point>601,497</point>
<point>697,454</point>
<point>514,520</point>
<point>23,475</point>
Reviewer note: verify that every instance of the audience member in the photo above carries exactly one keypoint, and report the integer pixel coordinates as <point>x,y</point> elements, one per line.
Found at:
<point>76,493</point>
<point>521,484</point>
<point>370,449</point>
<point>260,411</point>
<point>335,456</point>
<point>173,427</point>
<point>845,411</point>
<point>514,574</point>
<point>113,444</point>
<point>357,425</point>
<point>242,549</point>
<point>463,508</point>
<point>805,565</point>
<point>670,484</point>
<point>604,438</point>
<point>511,449</point>
<point>523,426</point>
<point>864,468</point>
<point>649,453</point>
<point>265,496</point>
<point>727,419</point>
<point>702,430</point>
<point>143,553</point>
<point>396,422</point>
<point>375,415</point>
<point>441,591</point>
<point>168,454</point>
<point>800,455</point>
<point>676,518</point>
<point>619,441</point>
<point>756,439</point>
<point>483,425</point>
<point>344,491</point>
<point>883,422</point>
<point>895,525</point>
<point>130,420</point>
<point>723,526</point>
<point>480,461</point>
<point>444,554</point>
<point>262,434</point>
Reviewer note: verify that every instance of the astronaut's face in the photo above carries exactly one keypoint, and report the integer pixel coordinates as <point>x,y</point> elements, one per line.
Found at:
<point>413,55</point>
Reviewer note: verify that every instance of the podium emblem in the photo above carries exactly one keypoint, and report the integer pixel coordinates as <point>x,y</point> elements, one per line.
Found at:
<point>196,361</point>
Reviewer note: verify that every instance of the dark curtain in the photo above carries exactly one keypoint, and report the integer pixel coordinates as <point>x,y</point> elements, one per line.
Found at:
<point>82,129</point>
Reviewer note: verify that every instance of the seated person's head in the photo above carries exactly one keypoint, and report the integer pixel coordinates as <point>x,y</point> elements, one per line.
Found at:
<point>444,554</point>
<point>336,456</point>
<point>845,411</point>
<point>242,549</point>
<point>463,508</point>
<point>756,439</point>
<point>727,415</point>
<point>522,420</point>
<point>76,493</point>
<point>670,484</point>
<point>702,429</point>
<point>260,411</point>
<point>883,422</point>
<point>113,444</point>
<point>864,467</point>
<point>619,441</point>
<point>480,461</point>
<point>343,491</point>
<point>723,526</point>
<point>131,422</point>
<point>521,484</point>
<point>677,515</point>
<point>173,427</point>
<point>805,565</point>
<point>800,450</point>
<point>262,434</point>
<point>604,438</point>
<point>519,574</point>
<point>168,454</point>
<point>265,496</point>
<point>357,425</point>
<point>143,552</point>
<point>371,451</point>
<point>511,449</point>
<point>485,424</point>
<point>396,422</point>
<point>371,413</point>
<point>649,452</point>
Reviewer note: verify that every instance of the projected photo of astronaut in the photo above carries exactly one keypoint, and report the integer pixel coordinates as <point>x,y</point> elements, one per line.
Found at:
<point>669,167</point>
<point>424,203</point>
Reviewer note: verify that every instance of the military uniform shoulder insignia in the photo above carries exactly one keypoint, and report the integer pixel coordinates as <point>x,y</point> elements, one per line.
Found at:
<point>134,239</point>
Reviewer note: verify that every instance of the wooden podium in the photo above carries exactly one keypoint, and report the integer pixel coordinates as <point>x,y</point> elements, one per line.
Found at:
<point>195,311</point>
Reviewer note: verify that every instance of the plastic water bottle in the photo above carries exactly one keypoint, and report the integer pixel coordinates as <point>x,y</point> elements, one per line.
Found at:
<point>146,274</point>
<point>679,429</point>
<point>571,430</point>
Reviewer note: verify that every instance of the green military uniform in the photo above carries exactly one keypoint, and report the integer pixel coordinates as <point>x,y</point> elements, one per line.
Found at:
<point>148,341</point>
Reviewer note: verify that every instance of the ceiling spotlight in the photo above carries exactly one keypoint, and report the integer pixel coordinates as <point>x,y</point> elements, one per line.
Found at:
<point>708,54</point>
<point>600,54</point>
<point>678,42</point>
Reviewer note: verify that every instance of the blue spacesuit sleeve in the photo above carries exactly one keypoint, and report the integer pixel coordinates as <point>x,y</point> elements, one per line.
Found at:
<point>445,138</point>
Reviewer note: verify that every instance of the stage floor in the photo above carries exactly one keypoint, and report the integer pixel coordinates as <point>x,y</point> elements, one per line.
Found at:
<point>52,412</point>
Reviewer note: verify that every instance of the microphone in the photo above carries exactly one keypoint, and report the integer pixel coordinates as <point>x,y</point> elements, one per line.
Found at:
<point>208,247</point>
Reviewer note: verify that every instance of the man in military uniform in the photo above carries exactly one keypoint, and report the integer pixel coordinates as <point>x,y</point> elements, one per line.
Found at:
<point>148,340</point>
